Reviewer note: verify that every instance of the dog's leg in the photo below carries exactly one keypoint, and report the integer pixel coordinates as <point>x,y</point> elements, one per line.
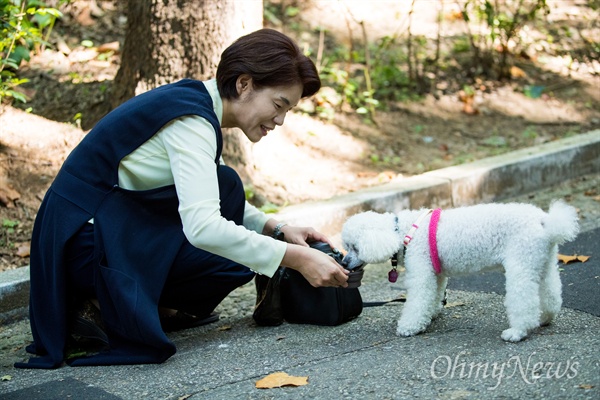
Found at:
<point>522,300</point>
<point>441,294</point>
<point>550,292</point>
<point>421,300</point>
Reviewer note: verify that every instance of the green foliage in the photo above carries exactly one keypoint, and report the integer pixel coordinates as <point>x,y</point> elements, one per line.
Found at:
<point>8,228</point>
<point>267,208</point>
<point>281,13</point>
<point>270,208</point>
<point>25,25</point>
<point>385,161</point>
<point>495,141</point>
<point>404,66</point>
<point>530,133</point>
<point>501,21</point>
<point>388,76</point>
<point>373,81</point>
<point>9,225</point>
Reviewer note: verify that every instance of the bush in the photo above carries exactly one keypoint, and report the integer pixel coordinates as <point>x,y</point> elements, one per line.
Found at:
<point>24,27</point>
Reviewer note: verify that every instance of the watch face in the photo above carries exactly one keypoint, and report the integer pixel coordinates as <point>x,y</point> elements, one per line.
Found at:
<point>277,234</point>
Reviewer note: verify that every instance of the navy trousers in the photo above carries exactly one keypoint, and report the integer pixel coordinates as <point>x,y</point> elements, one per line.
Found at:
<point>198,280</point>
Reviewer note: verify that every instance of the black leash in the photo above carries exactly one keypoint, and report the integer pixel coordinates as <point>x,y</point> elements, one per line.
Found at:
<point>382,303</point>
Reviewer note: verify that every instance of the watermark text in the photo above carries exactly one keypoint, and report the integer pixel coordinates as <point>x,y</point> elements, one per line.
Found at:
<point>531,369</point>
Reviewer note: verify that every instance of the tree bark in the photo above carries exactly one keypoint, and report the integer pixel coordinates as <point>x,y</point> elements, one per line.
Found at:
<point>167,40</point>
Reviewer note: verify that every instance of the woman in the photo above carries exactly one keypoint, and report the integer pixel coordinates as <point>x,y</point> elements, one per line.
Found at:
<point>144,219</point>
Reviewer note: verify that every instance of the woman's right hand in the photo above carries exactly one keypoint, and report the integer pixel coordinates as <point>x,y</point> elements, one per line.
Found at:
<point>319,269</point>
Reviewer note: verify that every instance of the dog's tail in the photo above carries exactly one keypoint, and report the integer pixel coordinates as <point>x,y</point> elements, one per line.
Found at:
<point>561,222</point>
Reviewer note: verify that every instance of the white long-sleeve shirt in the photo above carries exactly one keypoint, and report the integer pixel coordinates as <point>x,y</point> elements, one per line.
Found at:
<point>183,153</point>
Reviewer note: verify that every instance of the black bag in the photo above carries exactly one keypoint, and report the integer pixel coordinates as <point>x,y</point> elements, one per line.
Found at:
<point>288,296</point>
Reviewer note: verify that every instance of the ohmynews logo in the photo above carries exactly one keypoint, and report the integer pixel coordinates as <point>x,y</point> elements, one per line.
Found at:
<point>530,371</point>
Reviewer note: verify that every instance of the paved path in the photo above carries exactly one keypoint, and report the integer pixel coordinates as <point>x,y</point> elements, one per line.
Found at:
<point>460,356</point>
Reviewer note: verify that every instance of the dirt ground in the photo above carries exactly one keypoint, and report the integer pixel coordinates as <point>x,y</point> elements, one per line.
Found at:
<point>307,159</point>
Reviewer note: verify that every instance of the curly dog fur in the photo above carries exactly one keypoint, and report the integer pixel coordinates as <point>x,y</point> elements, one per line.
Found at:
<point>520,239</point>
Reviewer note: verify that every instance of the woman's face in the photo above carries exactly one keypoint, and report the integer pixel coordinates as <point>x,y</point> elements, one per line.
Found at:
<point>258,111</point>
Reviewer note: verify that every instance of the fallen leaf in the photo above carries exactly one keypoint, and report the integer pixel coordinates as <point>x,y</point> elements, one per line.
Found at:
<point>386,175</point>
<point>6,378</point>
<point>363,174</point>
<point>224,328</point>
<point>279,379</point>
<point>23,250</point>
<point>454,304</point>
<point>517,72</point>
<point>586,387</point>
<point>8,195</point>
<point>455,15</point>
<point>106,47</point>
<point>567,259</point>
<point>468,100</point>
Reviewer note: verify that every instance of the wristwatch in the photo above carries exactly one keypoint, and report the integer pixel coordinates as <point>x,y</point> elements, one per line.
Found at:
<point>277,234</point>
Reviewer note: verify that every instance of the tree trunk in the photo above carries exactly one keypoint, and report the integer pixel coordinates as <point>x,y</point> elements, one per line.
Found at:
<point>167,40</point>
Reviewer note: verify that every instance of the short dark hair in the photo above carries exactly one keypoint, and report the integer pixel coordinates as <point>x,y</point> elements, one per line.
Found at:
<point>271,59</point>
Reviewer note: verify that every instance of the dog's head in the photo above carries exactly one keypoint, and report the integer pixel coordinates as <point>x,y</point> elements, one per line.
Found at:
<point>370,238</point>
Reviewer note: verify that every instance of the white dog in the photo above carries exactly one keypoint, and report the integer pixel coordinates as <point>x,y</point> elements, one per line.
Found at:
<point>521,239</point>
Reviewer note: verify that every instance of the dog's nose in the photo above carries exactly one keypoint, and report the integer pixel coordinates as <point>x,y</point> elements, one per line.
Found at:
<point>351,264</point>
<point>343,263</point>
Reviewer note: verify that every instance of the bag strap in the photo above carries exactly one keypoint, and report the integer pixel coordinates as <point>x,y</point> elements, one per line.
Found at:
<point>397,300</point>
<point>382,303</point>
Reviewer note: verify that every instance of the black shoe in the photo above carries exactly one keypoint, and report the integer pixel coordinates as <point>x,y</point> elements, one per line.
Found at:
<point>87,324</point>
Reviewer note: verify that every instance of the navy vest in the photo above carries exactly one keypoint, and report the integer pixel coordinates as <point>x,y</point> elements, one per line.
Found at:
<point>137,233</point>
<point>95,160</point>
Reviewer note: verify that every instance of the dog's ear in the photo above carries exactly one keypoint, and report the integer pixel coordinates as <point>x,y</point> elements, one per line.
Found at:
<point>372,236</point>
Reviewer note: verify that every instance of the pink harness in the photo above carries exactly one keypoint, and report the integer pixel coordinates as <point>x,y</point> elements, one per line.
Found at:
<point>433,251</point>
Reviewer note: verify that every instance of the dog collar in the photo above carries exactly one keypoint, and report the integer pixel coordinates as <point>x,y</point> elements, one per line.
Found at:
<point>393,274</point>
<point>409,235</point>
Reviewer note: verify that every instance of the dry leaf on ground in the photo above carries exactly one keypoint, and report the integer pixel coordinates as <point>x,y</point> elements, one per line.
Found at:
<point>586,387</point>
<point>454,304</point>
<point>8,195</point>
<point>279,379</point>
<point>24,249</point>
<point>567,259</point>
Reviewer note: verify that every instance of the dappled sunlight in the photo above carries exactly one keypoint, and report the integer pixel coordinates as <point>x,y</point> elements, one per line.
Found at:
<point>551,110</point>
<point>308,158</point>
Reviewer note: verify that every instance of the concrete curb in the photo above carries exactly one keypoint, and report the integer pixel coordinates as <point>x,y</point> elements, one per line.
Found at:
<point>487,180</point>
<point>14,294</point>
